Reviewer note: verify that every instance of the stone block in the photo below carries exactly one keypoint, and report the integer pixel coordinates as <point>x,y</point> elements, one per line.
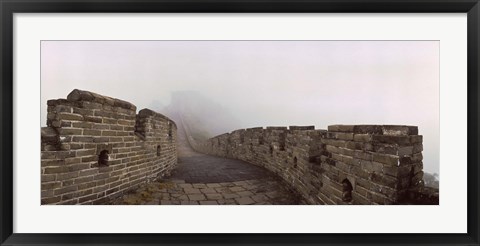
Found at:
<point>417,148</point>
<point>83,111</point>
<point>69,116</point>
<point>77,167</point>
<point>93,119</point>
<point>416,139</point>
<point>82,139</point>
<point>244,200</point>
<point>363,137</point>
<point>384,180</point>
<point>388,139</point>
<point>341,128</point>
<point>418,157</point>
<point>340,135</point>
<point>48,177</point>
<point>393,130</point>
<point>87,198</point>
<point>101,126</point>
<point>301,128</point>
<point>110,121</point>
<point>197,197</point>
<point>52,163</point>
<point>100,139</point>
<point>92,132</point>
<point>391,160</point>
<point>51,185</point>
<point>405,151</point>
<point>85,152</point>
<point>51,200</point>
<point>192,191</point>
<point>65,190</point>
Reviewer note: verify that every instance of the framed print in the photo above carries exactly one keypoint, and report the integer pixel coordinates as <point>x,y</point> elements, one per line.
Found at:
<point>268,122</point>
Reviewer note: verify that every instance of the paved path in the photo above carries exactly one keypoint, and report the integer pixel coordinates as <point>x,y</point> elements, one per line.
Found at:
<point>209,180</point>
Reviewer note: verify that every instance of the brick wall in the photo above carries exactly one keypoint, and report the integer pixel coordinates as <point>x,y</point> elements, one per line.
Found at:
<point>346,164</point>
<point>140,148</point>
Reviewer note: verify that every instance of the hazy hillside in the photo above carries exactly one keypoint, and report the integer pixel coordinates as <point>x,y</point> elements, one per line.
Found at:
<point>431,180</point>
<point>203,116</point>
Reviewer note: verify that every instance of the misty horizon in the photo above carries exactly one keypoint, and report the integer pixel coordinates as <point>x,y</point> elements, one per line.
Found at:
<point>232,85</point>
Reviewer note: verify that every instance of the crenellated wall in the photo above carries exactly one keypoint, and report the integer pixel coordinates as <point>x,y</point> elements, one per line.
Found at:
<point>141,147</point>
<point>346,164</point>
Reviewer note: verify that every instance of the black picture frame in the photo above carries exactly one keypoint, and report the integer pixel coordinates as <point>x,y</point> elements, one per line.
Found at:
<point>9,7</point>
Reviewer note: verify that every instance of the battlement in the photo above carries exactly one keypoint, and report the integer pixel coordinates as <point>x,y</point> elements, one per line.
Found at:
<point>95,148</point>
<point>346,164</point>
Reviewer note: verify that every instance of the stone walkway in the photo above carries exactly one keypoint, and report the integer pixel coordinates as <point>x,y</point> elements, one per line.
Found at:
<point>177,192</point>
<point>202,179</point>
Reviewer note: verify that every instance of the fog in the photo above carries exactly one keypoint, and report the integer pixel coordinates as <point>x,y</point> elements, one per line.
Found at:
<point>241,84</point>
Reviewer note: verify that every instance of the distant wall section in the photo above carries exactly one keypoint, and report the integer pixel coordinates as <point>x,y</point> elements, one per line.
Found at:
<point>346,164</point>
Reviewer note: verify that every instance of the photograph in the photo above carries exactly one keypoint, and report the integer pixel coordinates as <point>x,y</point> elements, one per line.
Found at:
<point>338,123</point>
<point>251,122</point>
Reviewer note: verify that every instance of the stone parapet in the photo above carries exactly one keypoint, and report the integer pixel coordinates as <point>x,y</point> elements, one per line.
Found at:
<point>95,148</point>
<point>346,164</point>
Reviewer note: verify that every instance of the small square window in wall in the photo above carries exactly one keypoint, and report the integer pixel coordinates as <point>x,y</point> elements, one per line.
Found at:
<point>347,190</point>
<point>170,135</point>
<point>104,152</point>
<point>159,150</point>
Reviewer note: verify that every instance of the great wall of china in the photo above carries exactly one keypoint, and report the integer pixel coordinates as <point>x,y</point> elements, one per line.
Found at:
<point>96,148</point>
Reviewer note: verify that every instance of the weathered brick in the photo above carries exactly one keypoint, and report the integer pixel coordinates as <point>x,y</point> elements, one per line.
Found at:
<point>92,132</point>
<point>54,170</point>
<point>82,124</point>
<point>416,139</point>
<point>362,138</point>
<point>70,131</point>
<point>117,127</point>
<point>101,176</point>
<point>65,190</point>
<point>405,151</point>
<point>87,198</point>
<point>109,121</point>
<point>48,177</point>
<point>341,128</point>
<point>126,122</point>
<point>386,159</point>
<point>417,148</point>
<point>109,133</point>
<point>400,140</point>
<point>93,119</point>
<point>92,105</point>
<point>69,116</point>
<point>87,185</point>
<point>51,185</point>
<point>83,180</point>
<point>77,167</point>
<point>51,200</point>
<point>52,163</point>
<point>100,188</point>
<point>85,152</point>
<point>82,139</point>
<point>101,127</point>
<point>88,172</point>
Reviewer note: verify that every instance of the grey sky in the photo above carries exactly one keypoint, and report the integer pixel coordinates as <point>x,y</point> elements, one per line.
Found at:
<point>263,83</point>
